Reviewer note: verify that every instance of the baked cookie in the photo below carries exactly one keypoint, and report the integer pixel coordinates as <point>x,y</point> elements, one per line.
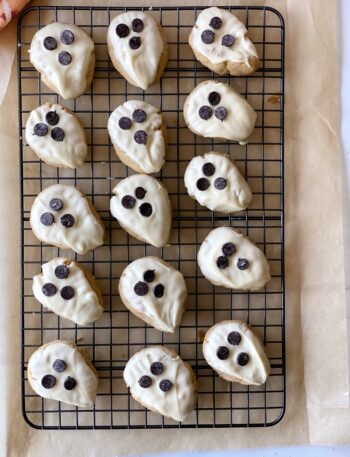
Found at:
<point>64,55</point>
<point>154,291</point>
<point>56,136</point>
<point>217,110</point>
<point>138,48</point>
<point>138,135</point>
<point>215,182</point>
<point>62,216</point>
<point>142,206</point>
<point>69,290</point>
<point>219,41</point>
<point>162,382</point>
<point>228,258</point>
<point>60,371</point>
<point>233,350</point>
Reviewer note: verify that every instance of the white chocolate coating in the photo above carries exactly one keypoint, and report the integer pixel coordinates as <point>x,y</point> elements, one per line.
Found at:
<point>236,196</point>
<point>72,151</point>
<point>84,307</point>
<point>140,65</point>
<point>240,120</point>
<point>154,229</point>
<point>69,81</point>
<point>254,277</point>
<point>163,313</point>
<point>255,372</point>
<point>180,400</point>
<point>149,157</point>
<point>86,234</point>
<point>77,367</point>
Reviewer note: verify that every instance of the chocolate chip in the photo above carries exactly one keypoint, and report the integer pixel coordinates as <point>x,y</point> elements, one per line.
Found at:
<point>139,115</point>
<point>135,42</point>
<point>234,338</point>
<point>208,169</point>
<point>157,368</point>
<point>146,209</point>
<point>205,112</point>
<point>140,137</point>
<point>52,118</point>
<point>67,220</point>
<point>50,43</point>
<point>228,249</point>
<point>64,58</point>
<point>141,288</point>
<point>220,183</point>
<point>165,385</point>
<point>122,30</point>
<point>49,289</point>
<point>215,22</point>
<point>47,219</point>
<point>57,134</point>
<point>140,193</point>
<point>59,365</point>
<point>61,271</point>
<point>70,383</point>
<point>48,381</point>
<point>242,359</point>
<point>159,291</point>
<point>242,264</point>
<point>67,37</point>
<point>149,275</point>
<point>227,40</point>
<point>124,123</point>
<point>222,352</point>
<point>222,262</point>
<point>128,201</point>
<point>145,381</point>
<point>207,36</point>
<point>214,98</point>
<point>137,25</point>
<point>67,292</point>
<point>56,204</point>
<point>202,184</point>
<point>40,129</point>
<point>220,113</point>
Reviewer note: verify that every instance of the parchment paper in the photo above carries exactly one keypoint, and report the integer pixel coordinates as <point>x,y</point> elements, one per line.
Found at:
<point>317,369</point>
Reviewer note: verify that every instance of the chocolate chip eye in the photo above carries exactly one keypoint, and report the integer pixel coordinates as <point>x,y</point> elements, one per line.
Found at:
<point>139,115</point>
<point>56,204</point>
<point>208,169</point>
<point>220,183</point>
<point>202,184</point>
<point>52,118</point>
<point>122,30</point>
<point>40,129</point>
<point>70,383</point>
<point>159,291</point>
<point>207,36</point>
<point>149,276</point>
<point>242,359</point>
<point>137,25</point>
<point>140,137</point>
<point>47,219</point>
<point>57,134</point>
<point>67,220</point>
<point>145,381</point>
<point>146,209</point>
<point>165,385</point>
<point>67,293</point>
<point>48,381</point>
<point>141,288</point>
<point>157,368</point>
<point>227,40</point>
<point>222,352</point>
<point>228,249</point>
<point>135,42</point>
<point>205,112</point>
<point>64,58</point>
<point>220,113</point>
<point>49,289</point>
<point>50,43</point>
<point>128,202</point>
<point>214,98</point>
<point>59,365</point>
<point>61,271</point>
<point>242,264</point>
<point>222,262</point>
<point>124,123</point>
<point>215,22</point>
<point>67,37</point>
<point>234,338</point>
<point>140,193</point>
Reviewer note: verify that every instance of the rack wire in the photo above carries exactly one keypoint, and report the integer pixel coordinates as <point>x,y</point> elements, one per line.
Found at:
<point>118,334</point>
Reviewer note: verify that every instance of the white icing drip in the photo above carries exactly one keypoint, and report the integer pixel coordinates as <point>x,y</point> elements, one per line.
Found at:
<point>87,232</point>
<point>240,119</point>
<point>149,157</point>
<point>255,371</point>
<point>83,308</point>
<point>40,364</point>
<point>180,400</point>
<point>236,196</point>
<point>254,277</point>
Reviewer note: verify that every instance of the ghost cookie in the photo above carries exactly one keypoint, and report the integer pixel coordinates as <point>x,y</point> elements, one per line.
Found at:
<point>228,258</point>
<point>154,291</point>
<point>219,41</point>
<point>138,48</point>
<point>60,371</point>
<point>215,182</point>
<point>64,55</point>
<point>69,290</point>
<point>217,110</point>
<point>55,134</point>
<point>162,382</point>
<point>142,206</point>
<point>233,350</point>
<point>63,217</point>
<point>139,136</point>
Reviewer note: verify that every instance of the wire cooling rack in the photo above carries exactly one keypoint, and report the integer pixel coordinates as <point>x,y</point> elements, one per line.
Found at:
<point>118,334</point>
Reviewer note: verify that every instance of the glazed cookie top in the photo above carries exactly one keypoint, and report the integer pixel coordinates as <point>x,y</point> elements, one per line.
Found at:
<point>160,380</point>
<point>63,52</point>
<point>135,127</point>
<point>135,40</point>
<point>142,206</point>
<point>62,216</point>
<point>215,182</point>
<point>217,110</point>
<point>59,371</point>
<point>156,289</point>
<point>227,258</point>
<point>64,288</point>
<point>232,349</point>
<point>220,36</point>
<point>56,136</point>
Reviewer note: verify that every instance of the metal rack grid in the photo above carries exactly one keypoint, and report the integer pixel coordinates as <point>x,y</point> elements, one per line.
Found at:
<point>118,334</point>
